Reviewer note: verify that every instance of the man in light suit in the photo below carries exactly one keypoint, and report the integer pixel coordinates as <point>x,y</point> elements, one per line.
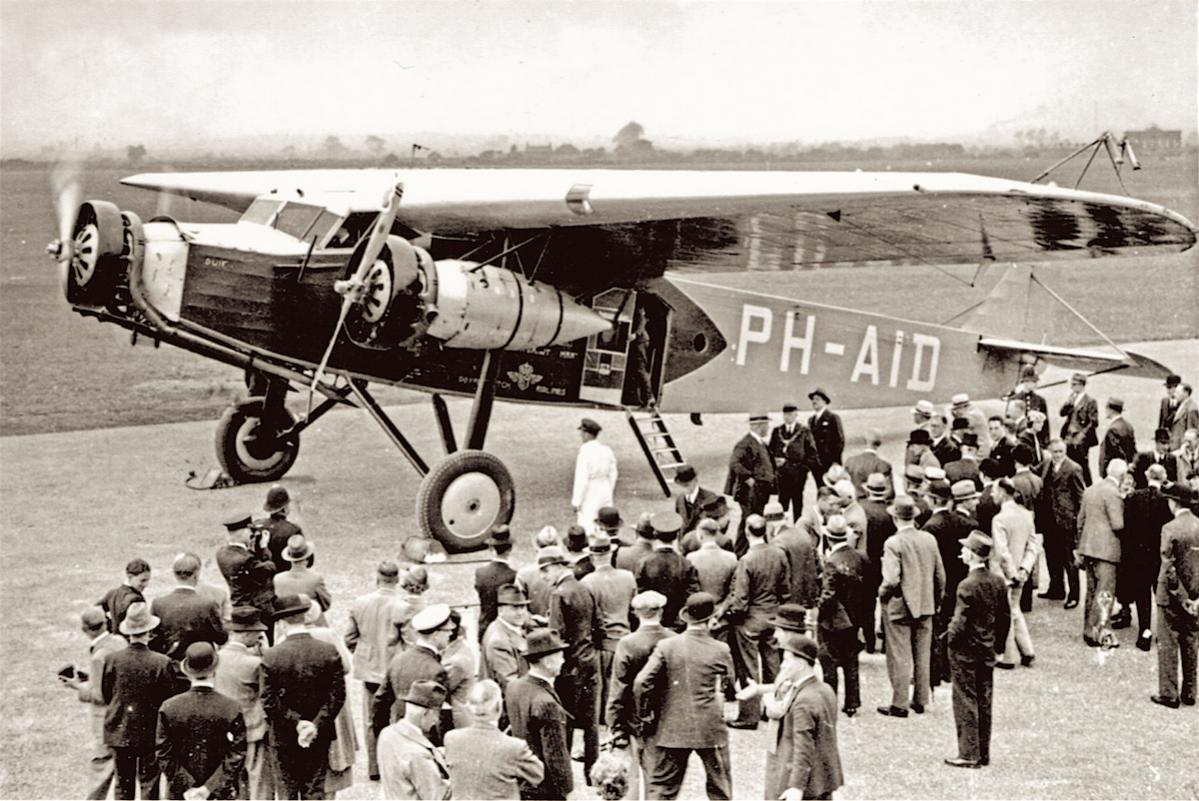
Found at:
<point>826,430</point>
<point>690,501</point>
<point>94,624</point>
<point>1080,424</point>
<point>483,761</point>
<point>913,583</point>
<point>678,699</point>
<point>1184,418</point>
<point>963,408</point>
<point>752,477</point>
<point>1177,596</point>
<point>501,659</point>
<point>861,465</point>
<point>1062,488</point>
<point>412,767</point>
<point>1119,441</point>
<point>794,450</point>
<point>1097,549</point>
<point>1016,551</point>
<point>239,676</point>
<point>371,637</point>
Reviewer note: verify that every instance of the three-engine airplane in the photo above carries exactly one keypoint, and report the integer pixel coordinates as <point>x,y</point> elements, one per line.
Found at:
<point>589,288</point>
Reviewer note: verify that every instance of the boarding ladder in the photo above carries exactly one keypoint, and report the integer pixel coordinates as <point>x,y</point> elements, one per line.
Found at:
<point>656,441</point>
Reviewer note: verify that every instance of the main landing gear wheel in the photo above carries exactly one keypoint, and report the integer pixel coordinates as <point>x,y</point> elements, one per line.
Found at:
<point>251,450</point>
<point>462,497</point>
<point>97,248</point>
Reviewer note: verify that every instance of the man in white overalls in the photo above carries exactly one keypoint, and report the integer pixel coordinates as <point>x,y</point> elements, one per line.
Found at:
<point>595,475</point>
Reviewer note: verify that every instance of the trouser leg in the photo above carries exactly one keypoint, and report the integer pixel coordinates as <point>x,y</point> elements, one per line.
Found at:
<point>1105,589</point>
<point>1019,641</point>
<point>845,655</point>
<point>745,664</point>
<point>984,679</point>
<point>369,688</point>
<point>1082,456</point>
<point>828,665</point>
<point>1088,609</point>
<point>1057,558</point>
<point>125,767</point>
<point>922,634</point>
<point>768,655</point>
<point>965,706</point>
<point>148,776</point>
<point>669,768</point>
<point>1188,647</point>
<point>1167,656</point>
<point>718,772</point>
<point>899,660</point>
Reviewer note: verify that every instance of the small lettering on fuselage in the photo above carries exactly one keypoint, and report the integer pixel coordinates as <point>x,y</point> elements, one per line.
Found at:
<point>210,261</point>
<point>912,356</point>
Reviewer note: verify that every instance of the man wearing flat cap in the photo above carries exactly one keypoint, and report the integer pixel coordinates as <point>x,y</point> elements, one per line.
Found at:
<point>976,634</point>
<point>538,717</point>
<point>595,475</point>
<point>239,676</point>
<point>1080,424</point>
<point>412,767</point>
<point>303,689</point>
<point>250,578</point>
<point>666,571</point>
<point>1177,597</point>
<point>201,733</point>
<point>419,660</point>
<point>752,476</point>
<point>1119,440</point>
<point>678,695</point>
<point>794,450</point>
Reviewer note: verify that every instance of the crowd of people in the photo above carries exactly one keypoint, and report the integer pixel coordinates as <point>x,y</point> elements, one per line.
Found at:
<point>630,647</point>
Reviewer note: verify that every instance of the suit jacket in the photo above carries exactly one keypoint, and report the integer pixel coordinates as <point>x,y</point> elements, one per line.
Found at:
<point>913,576</point>
<point>1081,421</point>
<point>185,617</point>
<point>410,766</point>
<point>1015,538</point>
<point>613,591</point>
<point>371,633</point>
<point>201,741</point>
<point>500,658</point>
<point>676,692</point>
<point>843,593</point>
<point>1100,517</point>
<point>89,690</point>
<point>797,448</point>
<point>667,572</point>
<point>879,527</point>
<point>830,437</point>
<point>947,528</point>
<point>250,579</point>
<point>1029,484</point>
<point>1119,442</point>
<point>1146,513</point>
<point>713,569</point>
<point>116,602</point>
<point>281,530</point>
<point>628,557</point>
<point>1178,578</point>
<point>1146,459</point>
<point>981,617</point>
<point>134,684</point>
<point>239,676</point>
<point>802,752</point>
<point>761,582</point>
<point>488,580</point>
<point>573,616</point>
<point>1061,495</point>
<point>1186,463</point>
<point>486,763</point>
<point>536,715</point>
<point>415,662</point>
<point>750,459</point>
<point>861,465</point>
<point>964,470</point>
<point>302,679</point>
<point>1186,415</point>
<point>691,513</point>
<point>803,565</point>
<point>632,652</point>
<point>946,450</point>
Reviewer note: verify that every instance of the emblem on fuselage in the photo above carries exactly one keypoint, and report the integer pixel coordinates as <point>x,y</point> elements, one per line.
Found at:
<point>524,377</point>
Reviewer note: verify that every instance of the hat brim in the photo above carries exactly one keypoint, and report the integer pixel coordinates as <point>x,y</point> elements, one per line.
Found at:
<point>152,624</point>
<point>787,625</point>
<point>245,627</point>
<point>971,497</point>
<point>543,651</point>
<point>691,619</point>
<point>299,558</point>
<point>291,611</point>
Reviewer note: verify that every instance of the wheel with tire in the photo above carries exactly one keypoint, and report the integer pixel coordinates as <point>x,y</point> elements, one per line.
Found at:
<point>462,497</point>
<point>250,450</point>
<point>97,254</point>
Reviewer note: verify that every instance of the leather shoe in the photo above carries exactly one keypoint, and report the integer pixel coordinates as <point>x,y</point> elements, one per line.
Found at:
<point>985,761</point>
<point>1006,665</point>
<point>1121,622</point>
<point>1070,603</point>
<point>917,708</point>
<point>850,711</point>
<point>893,711</point>
<point>749,726</point>
<point>1052,596</point>
<point>958,762</point>
<point>1090,641</point>
<point>1027,661</point>
<point>1188,701</point>
<point>1171,703</point>
<point>1144,642</point>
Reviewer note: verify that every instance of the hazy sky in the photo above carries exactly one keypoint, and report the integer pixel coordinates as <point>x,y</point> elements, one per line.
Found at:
<point>168,73</point>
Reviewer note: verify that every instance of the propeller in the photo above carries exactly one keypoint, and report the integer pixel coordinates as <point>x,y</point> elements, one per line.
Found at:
<point>67,191</point>
<point>353,288</point>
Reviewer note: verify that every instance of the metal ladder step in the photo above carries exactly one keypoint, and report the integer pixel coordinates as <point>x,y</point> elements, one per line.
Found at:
<point>656,443</point>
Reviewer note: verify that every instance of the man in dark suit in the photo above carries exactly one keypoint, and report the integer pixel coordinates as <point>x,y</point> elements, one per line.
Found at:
<point>678,696</point>
<point>839,617</point>
<point>1146,512</point>
<point>493,574</point>
<point>976,634</point>
<point>303,689</point>
<point>1026,392</point>
<point>1119,441</point>
<point>537,716</point>
<point>689,502</point>
<point>277,527</point>
<point>577,555</point>
<point>879,526</point>
<point>861,465</point>
<point>419,660</point>
<point>1177,596</point>
<point>1080,425</point>
<point>803,563</point>
<point>794,452</point>
<point>1160,455</point>
<point>249,576</point>
<point>943,446</point>
<point>201,733</point>
<point>117,600</point>
<point>186,616</point>
<point>948,528</point>
<point>135,683</point>
<point>1169,402</point>
<point>628,556</point>
<point>1057,516</point>
<point>752,478</point>
<point>965,468</point>
<point>1003,441</point>
<point>664,570</point>
<point>827,431</point>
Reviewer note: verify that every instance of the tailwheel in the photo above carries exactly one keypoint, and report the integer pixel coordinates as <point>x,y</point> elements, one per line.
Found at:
<point>462,497</point>
<point>249,445</point>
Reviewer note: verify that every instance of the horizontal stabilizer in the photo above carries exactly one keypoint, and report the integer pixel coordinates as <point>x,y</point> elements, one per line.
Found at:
<point>1090,360</point>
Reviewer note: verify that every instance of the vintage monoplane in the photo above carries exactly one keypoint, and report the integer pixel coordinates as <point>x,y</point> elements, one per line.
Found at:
<point>590,288</point>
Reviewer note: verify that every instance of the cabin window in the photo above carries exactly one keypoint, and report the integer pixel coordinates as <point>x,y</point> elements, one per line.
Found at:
<point>261,211</point>
<point>295,219</point>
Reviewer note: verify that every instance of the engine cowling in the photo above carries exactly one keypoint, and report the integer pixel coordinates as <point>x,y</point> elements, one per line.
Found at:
<point>462,303</point>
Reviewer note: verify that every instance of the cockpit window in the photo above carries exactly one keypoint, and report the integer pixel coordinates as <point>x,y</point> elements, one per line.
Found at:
<point>261,211</point>
<point>352,229</point>
<point>296,218</point>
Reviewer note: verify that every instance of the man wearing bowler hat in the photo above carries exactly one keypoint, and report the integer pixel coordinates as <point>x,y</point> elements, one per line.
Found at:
<point>1169,402</point>
<point>201,733</point>
<point>303,689</point>
<point>239,676</point>
<point>691,498</point>
<point>1160,455</point>
<point>537,715</point>
<point>919,449</point>
<point>794,450</point>
<point>842,601</point>
<point>1080,422</point>
<point>1119,440</point>
<point>412,767</point>
<point>976,634</point>
<point>826,430</point>
<point>912,586</point>
<point>279,528</point>
<point>684,697</point>
<point>752,477</point>
<point>493,574</point>
<point>595,475</point>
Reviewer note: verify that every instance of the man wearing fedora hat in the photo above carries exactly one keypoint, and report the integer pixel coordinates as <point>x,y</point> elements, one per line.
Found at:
<point>976,634</point>
<point>595,475</point>
<point>752,477</point>
<point>277,526</point>
<point>794,450</point>
<point>1119,440</point>
<point>613,590</point>
<point>303,689</point>
<point>248,575</point>
<point>826,430</point>
<point>134,684</point>
<point>683,697</point>
<point>912,587</point>
<point>839,617</point>
<point>420,659</point>
<point>201,733</point>
<point>239,676</point>
<point>411,766</point>
<point>537,716</point>
<point>493,574</point>
<point>501,657</point>
<point>300,578</point>
<point>691,497</point>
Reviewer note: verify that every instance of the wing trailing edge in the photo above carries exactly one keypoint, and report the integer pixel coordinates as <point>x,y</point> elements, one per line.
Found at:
<point>1081,359</point>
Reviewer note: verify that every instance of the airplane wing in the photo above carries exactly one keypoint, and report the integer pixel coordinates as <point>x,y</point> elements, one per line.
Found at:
<point>617,227</point>
<point>1082,359</point>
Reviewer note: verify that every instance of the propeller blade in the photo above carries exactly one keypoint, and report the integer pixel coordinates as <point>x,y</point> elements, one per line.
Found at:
<point>67,189</point>
<point>320,368</point>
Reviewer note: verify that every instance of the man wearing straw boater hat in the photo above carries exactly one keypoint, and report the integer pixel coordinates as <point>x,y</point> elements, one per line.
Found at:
<point>537,716</point>
<point>201,733</point>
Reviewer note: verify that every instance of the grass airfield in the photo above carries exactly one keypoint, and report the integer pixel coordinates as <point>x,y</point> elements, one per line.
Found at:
<point>78,505</point>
